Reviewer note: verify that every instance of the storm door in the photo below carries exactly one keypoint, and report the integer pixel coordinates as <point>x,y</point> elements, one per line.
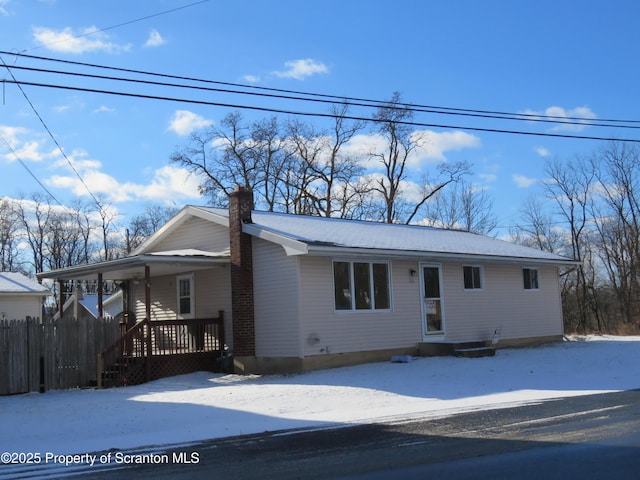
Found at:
<point>432,312</point>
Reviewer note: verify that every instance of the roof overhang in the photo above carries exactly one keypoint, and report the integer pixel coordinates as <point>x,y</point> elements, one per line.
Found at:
<point>160,263</point>
<point>324,250</point>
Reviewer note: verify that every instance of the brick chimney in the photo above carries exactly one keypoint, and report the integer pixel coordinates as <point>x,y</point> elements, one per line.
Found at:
<point>240,206</point>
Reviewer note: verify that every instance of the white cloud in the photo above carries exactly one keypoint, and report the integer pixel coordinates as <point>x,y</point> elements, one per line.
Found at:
<point>184,122</point>
<point>66,41</point>
<point>433,149</point>
<point>300,69</point>
<point>167,182</point>
<point>170,182</point>
<point>251,78</point>
<point>522,181</point>
<point>436,144</point>
<point>543,152</point>
<point>19,148</point>
<point>104,109</point>
<point>3,11</point>
<point>584,115</point>
<point>488,177</point>
<point>154,39</point>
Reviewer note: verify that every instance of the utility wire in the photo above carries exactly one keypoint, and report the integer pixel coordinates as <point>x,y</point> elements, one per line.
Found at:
<point>342,99</point>
<point>46,127</point>
<point>582,122</point>
<point>320,115</point>
<point>17,157</point>
<point>92,32</point>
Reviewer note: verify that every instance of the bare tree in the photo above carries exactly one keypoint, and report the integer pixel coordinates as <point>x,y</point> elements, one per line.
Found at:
<point>34,215</point>
<point>327,180</point>
<point>617,220</point>
<point>538,228</point>
<point>146,224</point>
<point>399,142</point>
<point>462,207</point>
<point>9,225</point>
<point>569,185</point>
<point>225,157</point>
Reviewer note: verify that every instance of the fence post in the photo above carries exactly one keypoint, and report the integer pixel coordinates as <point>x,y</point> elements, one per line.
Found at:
<point>99,370</point>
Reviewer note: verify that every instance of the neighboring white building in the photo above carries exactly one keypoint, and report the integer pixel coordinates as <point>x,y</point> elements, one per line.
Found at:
<point>21,297</point>
<point>304,292</point>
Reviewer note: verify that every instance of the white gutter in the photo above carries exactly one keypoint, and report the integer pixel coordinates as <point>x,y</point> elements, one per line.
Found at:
<point>321,250</point>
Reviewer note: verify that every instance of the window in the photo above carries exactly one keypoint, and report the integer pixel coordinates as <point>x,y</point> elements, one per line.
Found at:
<point>530,277</point>
<point>184,285</point>
<point>472,277</point>
<point>361,286</point>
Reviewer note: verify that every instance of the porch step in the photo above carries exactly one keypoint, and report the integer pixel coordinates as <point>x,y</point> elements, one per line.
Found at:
<point>476,352</point>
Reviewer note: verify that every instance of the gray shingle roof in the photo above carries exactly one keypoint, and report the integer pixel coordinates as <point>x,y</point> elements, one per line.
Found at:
<point>16,283</point>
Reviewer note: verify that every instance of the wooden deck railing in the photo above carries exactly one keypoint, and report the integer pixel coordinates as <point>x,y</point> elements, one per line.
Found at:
<point>129,360</point>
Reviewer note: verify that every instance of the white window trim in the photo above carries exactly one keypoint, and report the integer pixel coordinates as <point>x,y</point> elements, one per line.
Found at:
<point>192,298</point>
<point>473,289</point>
<point>537,278</point>
<point>353,309</point>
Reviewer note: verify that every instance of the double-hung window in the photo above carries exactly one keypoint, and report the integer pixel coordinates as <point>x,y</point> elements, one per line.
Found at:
<point>186,296</point>
<point>530,278</point>
<point>472,277</point>
<point>361,285</point>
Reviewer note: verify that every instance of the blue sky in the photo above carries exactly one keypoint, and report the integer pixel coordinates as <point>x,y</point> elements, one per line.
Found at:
<point>561,58</point>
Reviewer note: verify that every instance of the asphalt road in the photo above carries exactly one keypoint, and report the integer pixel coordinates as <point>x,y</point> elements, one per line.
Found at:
<point>589,437</point>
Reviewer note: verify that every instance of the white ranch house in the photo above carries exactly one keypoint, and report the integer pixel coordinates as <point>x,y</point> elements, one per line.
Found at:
<point>21,297</point>
<point>302,292</point>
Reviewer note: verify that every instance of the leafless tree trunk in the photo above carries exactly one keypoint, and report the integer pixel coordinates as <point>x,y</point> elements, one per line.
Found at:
<point>399,143</point>
<point>570,187</point>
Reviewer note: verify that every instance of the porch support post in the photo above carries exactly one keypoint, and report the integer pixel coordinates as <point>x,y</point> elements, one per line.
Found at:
<point>147,291</point>
<point>100,287</point>
<point>147,309</point>
<point>61,299</point>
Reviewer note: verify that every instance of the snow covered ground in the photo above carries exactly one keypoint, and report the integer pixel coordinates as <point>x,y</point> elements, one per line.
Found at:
<point>202,406</point>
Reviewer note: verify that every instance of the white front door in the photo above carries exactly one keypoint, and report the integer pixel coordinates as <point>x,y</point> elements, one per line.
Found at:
<point>432,308</point>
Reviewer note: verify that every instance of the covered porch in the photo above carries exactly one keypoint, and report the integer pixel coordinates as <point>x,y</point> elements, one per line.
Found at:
<point>152,346</point>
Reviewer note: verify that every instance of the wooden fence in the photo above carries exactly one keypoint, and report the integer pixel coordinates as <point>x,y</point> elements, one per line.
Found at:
<point>51,354</point>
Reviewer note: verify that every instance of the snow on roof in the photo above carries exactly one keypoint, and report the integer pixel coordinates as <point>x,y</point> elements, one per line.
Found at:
<point>327,233</point>
<point>190,252</point>
<point>16,283</point>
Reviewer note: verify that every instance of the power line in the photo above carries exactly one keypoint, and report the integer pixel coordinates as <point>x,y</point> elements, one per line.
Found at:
<point>92,32</point>
<point>46,127</point>
<point>15,154</point>
<point>533,117</point>
<point>320,115</point>
<point>578,122</point>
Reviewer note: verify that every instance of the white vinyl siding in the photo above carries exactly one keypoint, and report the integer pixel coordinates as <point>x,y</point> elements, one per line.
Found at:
<point>369,329</point>
<point>196,233</point>
<point>18,307</point>
<point>212,291</point>
<point>503,303</point>
<point>276,286</point>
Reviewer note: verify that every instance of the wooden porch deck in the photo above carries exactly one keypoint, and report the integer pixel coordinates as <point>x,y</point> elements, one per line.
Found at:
<point>155,349</point>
